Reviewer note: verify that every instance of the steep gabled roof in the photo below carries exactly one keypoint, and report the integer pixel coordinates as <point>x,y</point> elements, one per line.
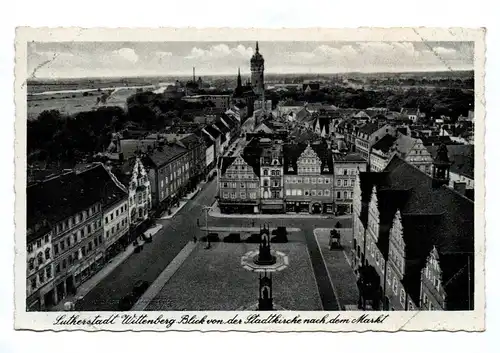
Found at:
<point>225,162</point>
<point>385,143</point>
<point>63,196</point>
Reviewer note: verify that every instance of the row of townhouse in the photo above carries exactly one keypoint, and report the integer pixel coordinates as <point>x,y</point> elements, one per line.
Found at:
<point>413,241</point>
<point>72,221</point>
<point>272,177</point>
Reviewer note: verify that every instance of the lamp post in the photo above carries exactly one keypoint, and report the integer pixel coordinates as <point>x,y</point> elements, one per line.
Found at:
<point>206,209</point>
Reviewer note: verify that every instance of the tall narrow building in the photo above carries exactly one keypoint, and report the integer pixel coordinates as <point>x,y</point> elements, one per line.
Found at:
<point>257,71</point>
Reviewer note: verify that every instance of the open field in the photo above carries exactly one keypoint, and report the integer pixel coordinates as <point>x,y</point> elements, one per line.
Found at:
<point>75,102</point>
<point>215,280</point>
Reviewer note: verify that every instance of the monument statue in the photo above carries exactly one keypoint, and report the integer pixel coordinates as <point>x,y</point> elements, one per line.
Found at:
<point>265,292</point>
<point>265,257</point>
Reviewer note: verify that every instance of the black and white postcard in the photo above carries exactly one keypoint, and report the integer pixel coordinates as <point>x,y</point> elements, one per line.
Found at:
<point>250,179</point>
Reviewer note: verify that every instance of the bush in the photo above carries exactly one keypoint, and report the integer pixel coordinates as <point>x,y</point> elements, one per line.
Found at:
<point>338,225</point>
<point>232,238</point>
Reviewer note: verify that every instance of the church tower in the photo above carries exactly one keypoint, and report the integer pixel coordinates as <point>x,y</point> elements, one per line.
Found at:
<point>257,70</point>
<point>441,167</point>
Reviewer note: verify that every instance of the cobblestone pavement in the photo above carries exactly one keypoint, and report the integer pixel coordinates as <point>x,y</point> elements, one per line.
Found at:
<point>175,234</point>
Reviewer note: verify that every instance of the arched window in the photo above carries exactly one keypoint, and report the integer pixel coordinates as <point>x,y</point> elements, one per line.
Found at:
<point>39,257</point>
<point>47,254</point>
<point>31,263</point>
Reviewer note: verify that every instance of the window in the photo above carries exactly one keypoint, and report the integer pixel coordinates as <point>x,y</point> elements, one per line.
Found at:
<point>107,232</point>
<point>320,192</point>
<point>402,296</point>
<point>266,172</point>
<point>233,195</point>
<point>56,249</point>
<point>58,268</point>
<point>299,192</point>
<point>338,194</point>
<point>352,182</point>
<point>345,182</point>
<point>327,192</point>
<point>89,247</point>
<point>345,171</point>
<point>242,185</point>
<point>33,283</point>
<point>39,258</point>
<point>68,242</point>
<point>30,248</point>
<point>395,286</point>
<point>47,254</point>
<point>327,181</point>
<point>31,264</point>
<point>320,180</point>
<point>339,182</point>
<point>313,192</point>
<point>64,264</point>
<point>46,239</point>
<point>39,243</point>
<point>345,194</point>
<point>95,242</point>
<point>106,220</point>
<point>288,192</point>
<point>243,195</point>
<point>294,192</point>
<point>313,180</point>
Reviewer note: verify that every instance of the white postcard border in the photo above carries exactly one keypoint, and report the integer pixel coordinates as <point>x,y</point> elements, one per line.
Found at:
<point>408,321</point>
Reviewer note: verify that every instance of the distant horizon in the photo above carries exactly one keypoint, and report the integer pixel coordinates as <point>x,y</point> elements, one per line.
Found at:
<point>188,75</point>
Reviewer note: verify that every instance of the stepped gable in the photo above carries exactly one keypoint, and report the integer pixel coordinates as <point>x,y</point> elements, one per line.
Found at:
<point>417,231</point>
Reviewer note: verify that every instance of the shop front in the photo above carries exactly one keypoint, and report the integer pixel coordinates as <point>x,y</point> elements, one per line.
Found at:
<point>272,208</point>
<point>238,207</point>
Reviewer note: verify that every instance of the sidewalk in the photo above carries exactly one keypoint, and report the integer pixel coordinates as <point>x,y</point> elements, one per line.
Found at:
<point>163,278</point>
<point>182,203</point>
<point>215,212</point>
<point>340,272</point>
<point>93,281</point>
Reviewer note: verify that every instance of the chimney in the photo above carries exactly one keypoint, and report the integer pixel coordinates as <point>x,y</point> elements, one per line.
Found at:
<point>459,187</point>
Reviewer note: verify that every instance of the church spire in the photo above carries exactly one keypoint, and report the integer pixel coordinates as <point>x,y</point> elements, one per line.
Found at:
<point>257,47</point>
<point>239,79</point>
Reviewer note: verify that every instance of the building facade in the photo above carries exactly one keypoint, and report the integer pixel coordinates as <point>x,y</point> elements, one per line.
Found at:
<point>271,176</point>
<point>239,187</point>
<point>39,269</point>
<point>66,213</point>
<point>308,178</point>
<point>169,173</point>
<point>368,134</point>
<point>417,237</point>
<point>346,167</point>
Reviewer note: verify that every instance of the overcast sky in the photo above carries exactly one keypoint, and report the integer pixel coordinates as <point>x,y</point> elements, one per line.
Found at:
<point>98,59</point>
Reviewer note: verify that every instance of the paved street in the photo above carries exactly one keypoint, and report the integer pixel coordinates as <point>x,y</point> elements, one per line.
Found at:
<point>148,264</point>
<point>168,242</point>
